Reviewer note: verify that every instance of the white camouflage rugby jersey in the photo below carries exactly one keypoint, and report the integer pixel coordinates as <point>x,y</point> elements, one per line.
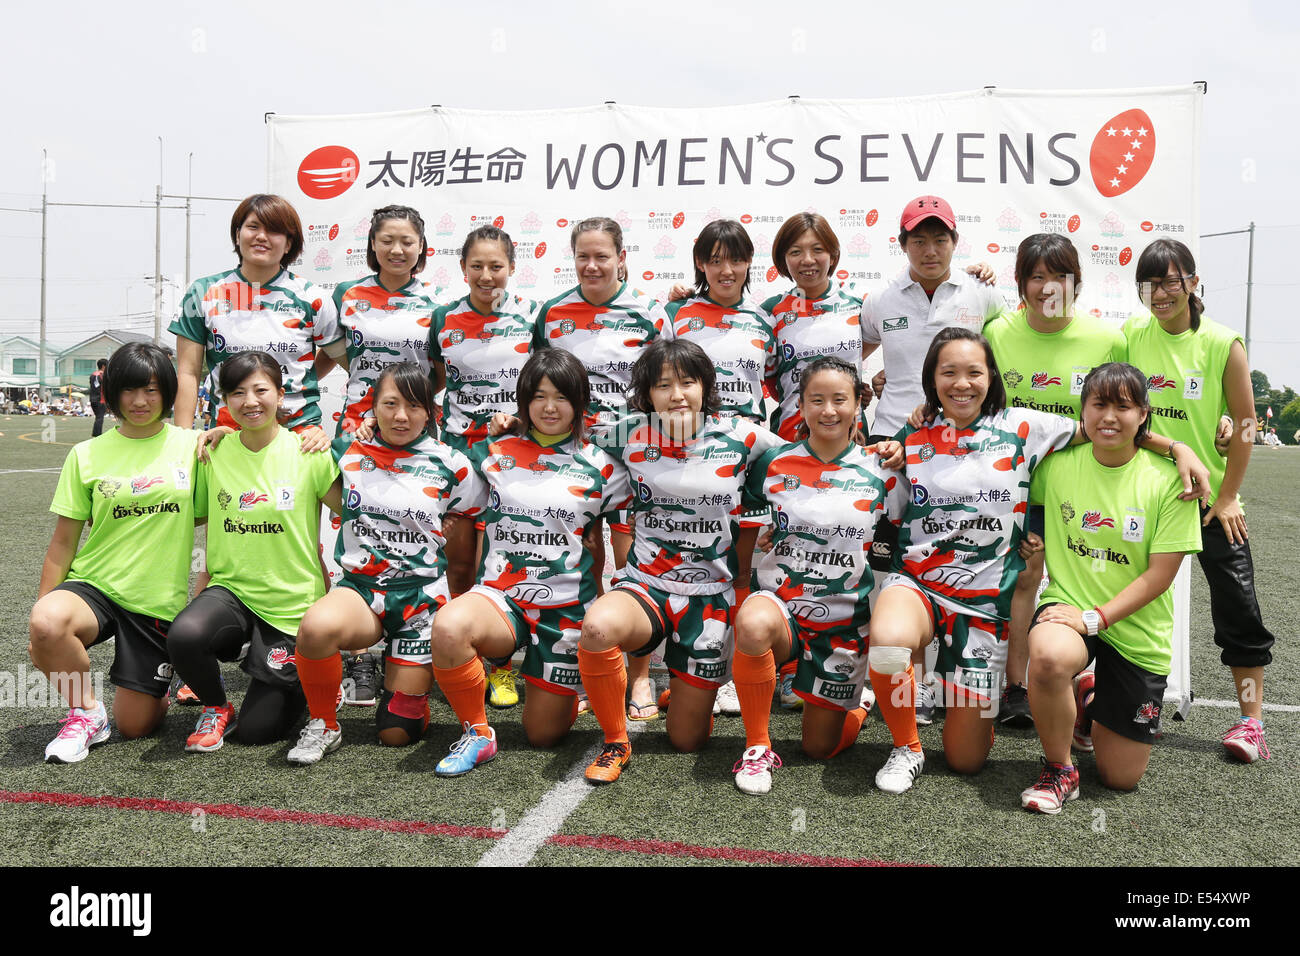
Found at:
<point>288,317</point>
<point>382,328</point>
<point>483,355</point>
<point>805,330</point>
<point>686,498</point>
<point>394,501</point>
<point>540,501</point>
<point>960,538</point>
<point>739,339</point>
<point>606,338</point>
<point>824,515</point>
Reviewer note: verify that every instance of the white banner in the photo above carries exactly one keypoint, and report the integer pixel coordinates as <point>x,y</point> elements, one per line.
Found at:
<point>1113,169</point>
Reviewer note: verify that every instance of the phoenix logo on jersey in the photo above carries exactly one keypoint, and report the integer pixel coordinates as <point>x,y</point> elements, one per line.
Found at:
<point>1094,522</point>
<point>140,484</point>
<point>1041,380</point>
<point>1160,381</point>
<point>250,498</point>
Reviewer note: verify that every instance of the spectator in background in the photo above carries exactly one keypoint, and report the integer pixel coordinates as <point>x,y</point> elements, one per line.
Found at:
<point>96,396</point>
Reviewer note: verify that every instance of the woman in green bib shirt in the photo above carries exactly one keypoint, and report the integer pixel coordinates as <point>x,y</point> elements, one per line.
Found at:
<point>262,496</point>
<point>134,483</point>
<point>1195,368</point>
<point>1116,535</point>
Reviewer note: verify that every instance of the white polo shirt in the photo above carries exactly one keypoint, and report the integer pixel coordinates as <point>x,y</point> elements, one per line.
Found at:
<point>903,320</point>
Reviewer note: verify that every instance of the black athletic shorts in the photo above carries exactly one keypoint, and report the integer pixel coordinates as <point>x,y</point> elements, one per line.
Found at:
<point>140,660</point>
<point>1126,699</point>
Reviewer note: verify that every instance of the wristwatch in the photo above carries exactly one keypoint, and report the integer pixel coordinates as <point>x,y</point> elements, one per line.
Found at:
<point>1092,621</point>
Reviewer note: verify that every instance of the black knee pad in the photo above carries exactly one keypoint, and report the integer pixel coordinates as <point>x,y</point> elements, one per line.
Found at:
<point>385,719</point>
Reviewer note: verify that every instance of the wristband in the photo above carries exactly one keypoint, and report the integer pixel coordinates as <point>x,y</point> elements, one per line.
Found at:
<point>1105,624</point>
<point>1175,443</point>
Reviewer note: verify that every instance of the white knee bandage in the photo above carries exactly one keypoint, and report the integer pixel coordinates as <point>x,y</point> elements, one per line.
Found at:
<point>888,660</point>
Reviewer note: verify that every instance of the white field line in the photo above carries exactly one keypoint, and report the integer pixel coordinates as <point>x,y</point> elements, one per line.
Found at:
<point>1233,705</point>
<point>520,845</point>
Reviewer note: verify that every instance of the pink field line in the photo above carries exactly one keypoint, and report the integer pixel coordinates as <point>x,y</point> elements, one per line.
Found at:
<point>606,843</point>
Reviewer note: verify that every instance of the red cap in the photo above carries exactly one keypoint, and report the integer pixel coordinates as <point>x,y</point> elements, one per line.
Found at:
<point>925,207</point>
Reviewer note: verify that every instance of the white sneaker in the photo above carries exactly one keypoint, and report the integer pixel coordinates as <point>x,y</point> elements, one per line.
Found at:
<point>726,701</point>
<point>315,741</point>
<point>754,770</point>
<point>900,770</point>
<point>78,732</point>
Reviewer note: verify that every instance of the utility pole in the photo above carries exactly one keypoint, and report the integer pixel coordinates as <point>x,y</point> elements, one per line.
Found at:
<point>45,178</point>
<point>1250,270</point>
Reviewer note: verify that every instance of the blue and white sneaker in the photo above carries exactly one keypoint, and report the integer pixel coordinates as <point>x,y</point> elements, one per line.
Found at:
<point>468,752</point>
<point>789,699</point>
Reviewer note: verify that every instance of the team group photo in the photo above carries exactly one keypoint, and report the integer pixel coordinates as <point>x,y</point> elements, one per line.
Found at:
<point>812,482</point>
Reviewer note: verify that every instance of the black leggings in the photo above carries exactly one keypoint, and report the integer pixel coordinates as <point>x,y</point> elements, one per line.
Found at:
<point>214,628</point>
<point>99,409</point>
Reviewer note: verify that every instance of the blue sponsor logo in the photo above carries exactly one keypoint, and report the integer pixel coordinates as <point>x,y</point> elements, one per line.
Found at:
<point>920,494</point>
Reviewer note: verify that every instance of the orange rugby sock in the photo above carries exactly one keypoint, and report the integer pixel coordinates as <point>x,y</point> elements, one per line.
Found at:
<point>320,681</point>
<point>464,687</point>
<point>789,667</point>
<point>604,676</point>
<point>755,679</point>
<point>852,724</point>
<point>896,698</point>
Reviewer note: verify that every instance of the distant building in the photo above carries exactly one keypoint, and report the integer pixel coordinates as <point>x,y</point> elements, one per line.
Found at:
<point>70,366</point>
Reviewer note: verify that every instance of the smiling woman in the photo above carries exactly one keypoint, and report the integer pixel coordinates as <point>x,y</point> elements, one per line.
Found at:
<point>259,305</point>
<point>263,497</point>
<point>384,317</point>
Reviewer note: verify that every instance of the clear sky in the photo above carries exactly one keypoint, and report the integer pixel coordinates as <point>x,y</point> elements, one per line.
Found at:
<point>96,85</point>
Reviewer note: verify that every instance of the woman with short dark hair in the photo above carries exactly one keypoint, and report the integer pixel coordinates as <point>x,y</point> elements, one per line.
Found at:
<point>135,484</point>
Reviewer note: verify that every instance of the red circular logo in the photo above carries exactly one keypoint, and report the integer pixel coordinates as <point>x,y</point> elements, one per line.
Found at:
<point>872,217</point>
<point>1074,223</point>
<point>1042,215</point>
<point>328,172</point>
<point>1096,248</point>
<point>499,221</point>
<point>561,223</point>
<point>1148,226</point>
<point>1125,256</point>
<point>747,219</point>
<point>540,250</point>
<point>842,274</point>
<point>994,247</point>
<point>647,275</point>
<point>843,211</point>
<point>678,220</point>
<point>557,269</point>
<point>334,232</point>
<point>772,273</point>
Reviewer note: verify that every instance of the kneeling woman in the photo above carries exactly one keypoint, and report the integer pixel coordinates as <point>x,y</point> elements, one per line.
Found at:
<point>262,496</point>
<point>547,485</point>
<point>827,494</point>
<point>397,491</point>
<point>688,469</point>
<point>1110,506</point>
<point>134,484</point>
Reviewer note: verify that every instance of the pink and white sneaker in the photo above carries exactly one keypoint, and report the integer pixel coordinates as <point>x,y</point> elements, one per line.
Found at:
<point>754,769</point>
<point>1245,740</point>
<point>78,732</point>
